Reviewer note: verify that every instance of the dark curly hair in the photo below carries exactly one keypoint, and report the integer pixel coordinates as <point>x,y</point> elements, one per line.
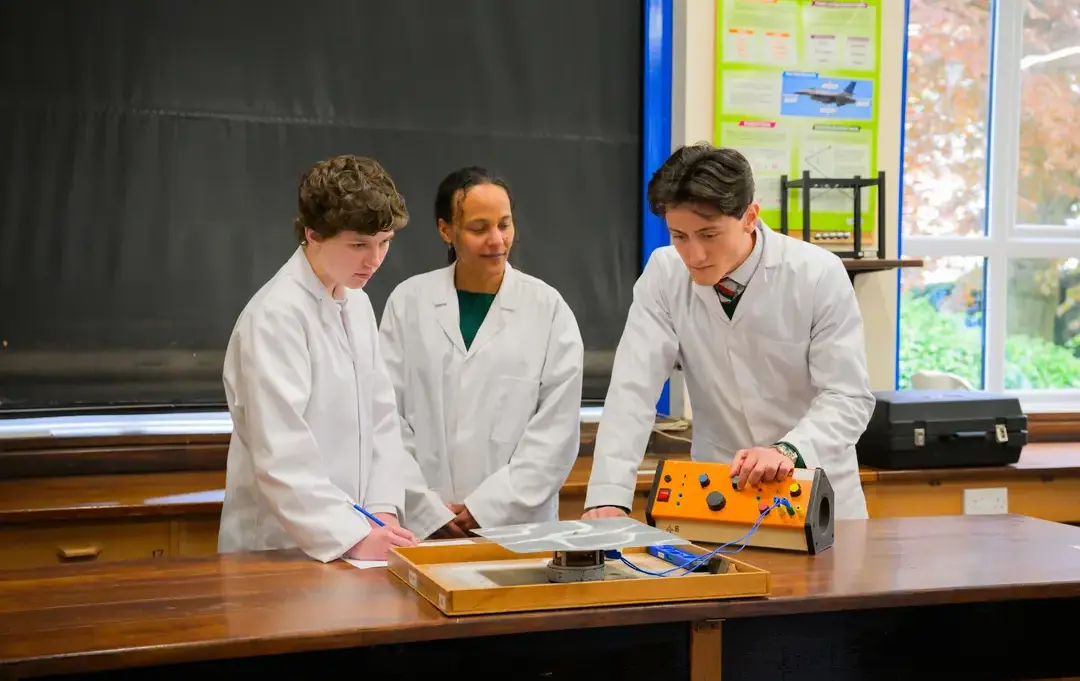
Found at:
<point>348,193</point>
<point>709,179</point>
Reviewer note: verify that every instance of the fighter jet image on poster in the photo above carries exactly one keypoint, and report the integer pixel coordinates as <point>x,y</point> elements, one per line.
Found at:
<point>816,96</point>
<point>845,96</point>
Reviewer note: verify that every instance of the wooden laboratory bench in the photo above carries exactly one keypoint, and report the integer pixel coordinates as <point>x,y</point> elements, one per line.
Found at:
<point>1045,483</point>
<point>105,518</point>
<point>876,605</point>
<point>57,520</point>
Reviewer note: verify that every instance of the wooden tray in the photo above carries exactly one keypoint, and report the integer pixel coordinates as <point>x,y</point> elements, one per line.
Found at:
<point>484,578</point>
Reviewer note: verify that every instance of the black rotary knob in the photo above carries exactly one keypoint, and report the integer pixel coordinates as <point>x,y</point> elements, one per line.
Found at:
<point>716,501</point>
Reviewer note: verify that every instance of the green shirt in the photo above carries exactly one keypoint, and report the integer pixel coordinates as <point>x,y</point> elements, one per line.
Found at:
<point>472,308</point>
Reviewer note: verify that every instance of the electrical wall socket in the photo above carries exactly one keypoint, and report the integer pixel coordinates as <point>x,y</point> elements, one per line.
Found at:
<point>987,501</point>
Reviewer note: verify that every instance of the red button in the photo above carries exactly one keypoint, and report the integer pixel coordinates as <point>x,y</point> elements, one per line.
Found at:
<point>763,506</point>
<point>663,495</point>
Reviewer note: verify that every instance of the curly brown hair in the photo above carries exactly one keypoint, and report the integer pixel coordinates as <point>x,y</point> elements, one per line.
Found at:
<point>348,193</point>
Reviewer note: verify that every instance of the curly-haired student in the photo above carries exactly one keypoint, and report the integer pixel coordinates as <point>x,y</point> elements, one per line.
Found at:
<point>316,451</point>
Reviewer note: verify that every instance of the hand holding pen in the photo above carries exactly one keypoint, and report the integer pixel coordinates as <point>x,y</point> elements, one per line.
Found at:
<point>385,533</point>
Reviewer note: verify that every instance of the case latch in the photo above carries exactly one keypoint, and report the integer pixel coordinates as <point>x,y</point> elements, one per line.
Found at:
<point>920,437</point>
<point>1001,433</point>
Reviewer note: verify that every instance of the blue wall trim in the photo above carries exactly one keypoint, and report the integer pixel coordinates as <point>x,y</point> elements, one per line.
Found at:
<point>900,190</point>
<point>655,130</point>
<point>992,95</point>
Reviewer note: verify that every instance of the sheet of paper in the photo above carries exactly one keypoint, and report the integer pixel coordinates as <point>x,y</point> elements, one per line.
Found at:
<point>365,564</point>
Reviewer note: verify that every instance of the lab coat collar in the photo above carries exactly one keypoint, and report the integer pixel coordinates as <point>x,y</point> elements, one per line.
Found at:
<point>772,254</point>
<point>300,269</point>
<point>743,272</point>
<point>446,309</point>
<point>772,246</point>
<point>507,296</point>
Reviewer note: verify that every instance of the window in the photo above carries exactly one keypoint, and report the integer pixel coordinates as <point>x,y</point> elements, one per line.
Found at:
<point>992,198</point>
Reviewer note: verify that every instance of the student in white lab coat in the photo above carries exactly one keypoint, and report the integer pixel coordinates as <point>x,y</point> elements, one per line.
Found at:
<point>487,366</point>
<point>766,328</point>
<point>315,459</point>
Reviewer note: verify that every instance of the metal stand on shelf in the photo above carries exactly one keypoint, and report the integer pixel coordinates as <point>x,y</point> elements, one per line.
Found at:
<point>856,184</point>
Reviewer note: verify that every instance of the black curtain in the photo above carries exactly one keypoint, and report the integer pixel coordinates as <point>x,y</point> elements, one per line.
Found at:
<point>150,154</point>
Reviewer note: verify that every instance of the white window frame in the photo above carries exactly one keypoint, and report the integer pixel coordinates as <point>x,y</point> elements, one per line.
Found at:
<point>1005,238</point>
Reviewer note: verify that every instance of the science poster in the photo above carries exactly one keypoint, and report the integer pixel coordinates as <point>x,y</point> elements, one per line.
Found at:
<point>797,88</point>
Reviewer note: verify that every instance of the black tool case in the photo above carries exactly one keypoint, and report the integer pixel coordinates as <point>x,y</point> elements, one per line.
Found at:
<point>943,429</point>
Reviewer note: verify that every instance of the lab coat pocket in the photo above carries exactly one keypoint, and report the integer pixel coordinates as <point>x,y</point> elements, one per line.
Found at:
<point>780,367</point>
<point>516,400</point>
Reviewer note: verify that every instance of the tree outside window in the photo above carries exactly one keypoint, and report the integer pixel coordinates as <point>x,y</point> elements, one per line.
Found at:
<point>991,197</point>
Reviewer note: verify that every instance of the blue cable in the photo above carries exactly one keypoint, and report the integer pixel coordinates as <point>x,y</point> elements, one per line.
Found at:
<point>689,566</point>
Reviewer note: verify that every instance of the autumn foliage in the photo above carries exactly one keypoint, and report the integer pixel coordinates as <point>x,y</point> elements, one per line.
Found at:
<point>948,120</point>
<point>949,80</point>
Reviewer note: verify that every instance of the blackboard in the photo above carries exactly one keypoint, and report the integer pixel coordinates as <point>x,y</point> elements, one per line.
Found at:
<point>150,154</point>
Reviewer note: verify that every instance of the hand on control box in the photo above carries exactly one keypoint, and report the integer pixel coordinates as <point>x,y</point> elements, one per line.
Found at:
<point>760,464</point>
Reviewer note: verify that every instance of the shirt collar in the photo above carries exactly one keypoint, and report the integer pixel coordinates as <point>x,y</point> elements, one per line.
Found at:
<point>741,275</point>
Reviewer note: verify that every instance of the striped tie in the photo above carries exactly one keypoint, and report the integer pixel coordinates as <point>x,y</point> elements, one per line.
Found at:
<point>728,290</point>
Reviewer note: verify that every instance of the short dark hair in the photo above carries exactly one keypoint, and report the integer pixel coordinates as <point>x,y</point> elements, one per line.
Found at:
<point>709,179</point>
<point>348,193</point>
<point>463,179</point>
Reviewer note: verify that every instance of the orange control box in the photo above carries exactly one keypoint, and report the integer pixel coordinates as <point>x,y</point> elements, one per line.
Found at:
<point>701,502</point>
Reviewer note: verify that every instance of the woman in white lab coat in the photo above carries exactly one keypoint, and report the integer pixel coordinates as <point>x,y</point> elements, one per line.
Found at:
<point>768,333</point>
<point>315,456</point>
<point>487,364</point>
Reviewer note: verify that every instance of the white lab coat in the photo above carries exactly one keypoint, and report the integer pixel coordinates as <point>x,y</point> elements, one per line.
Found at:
<point>314,423</point>
<point>497,426</point>
<point>790,366</point>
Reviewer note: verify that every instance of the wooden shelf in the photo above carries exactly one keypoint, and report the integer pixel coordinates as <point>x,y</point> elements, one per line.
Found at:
<point>859,265</point>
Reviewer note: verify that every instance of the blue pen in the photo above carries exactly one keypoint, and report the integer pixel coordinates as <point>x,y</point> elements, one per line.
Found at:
<point>370,517</point>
